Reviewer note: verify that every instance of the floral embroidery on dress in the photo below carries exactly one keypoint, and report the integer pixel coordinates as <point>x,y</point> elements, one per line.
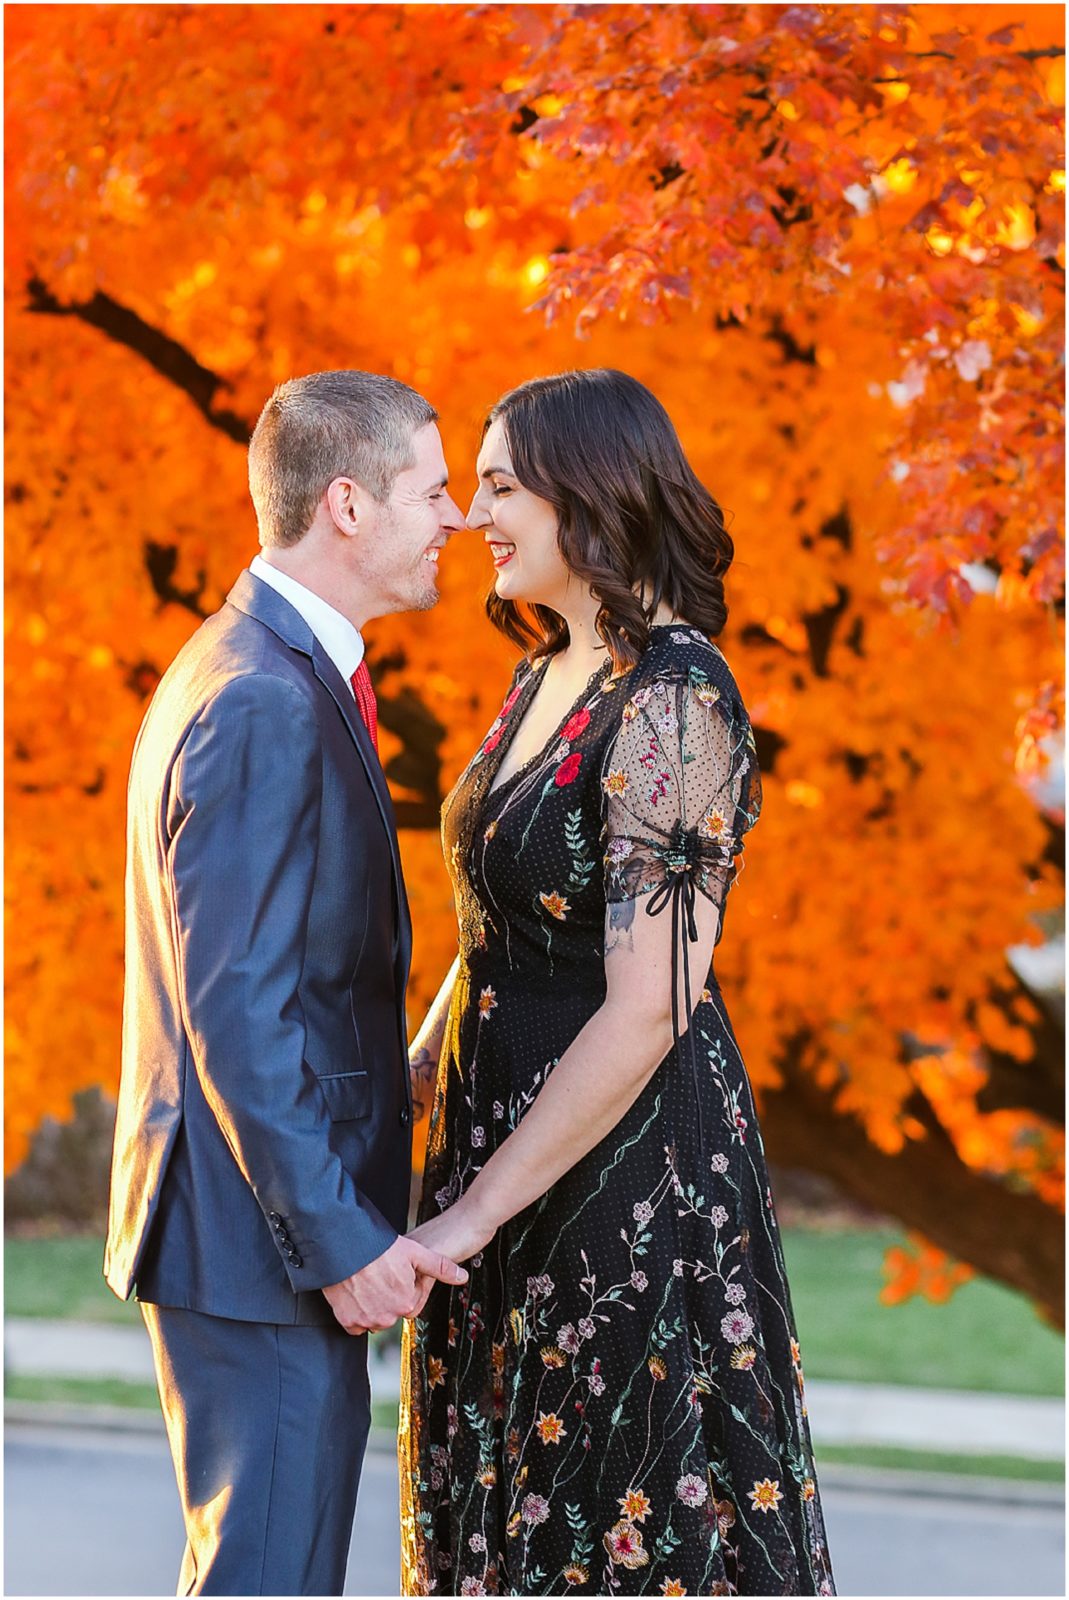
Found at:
<point>614,1403</point>
<point>555,904</point>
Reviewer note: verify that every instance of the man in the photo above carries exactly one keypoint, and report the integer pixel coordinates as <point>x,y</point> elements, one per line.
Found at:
<point>261,1167</point>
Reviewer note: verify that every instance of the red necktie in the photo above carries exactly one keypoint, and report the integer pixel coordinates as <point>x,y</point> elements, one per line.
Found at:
<point>366,703</point>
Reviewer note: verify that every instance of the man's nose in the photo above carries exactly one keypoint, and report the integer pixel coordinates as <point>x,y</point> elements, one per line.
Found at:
<point>452,516</point>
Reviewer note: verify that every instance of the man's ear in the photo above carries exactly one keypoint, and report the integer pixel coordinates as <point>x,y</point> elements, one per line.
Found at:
<point>348,505</point>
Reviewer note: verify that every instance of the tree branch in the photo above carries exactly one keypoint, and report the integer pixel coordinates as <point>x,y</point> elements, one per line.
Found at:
<point>164,354</point>
<point>1007,1233</point>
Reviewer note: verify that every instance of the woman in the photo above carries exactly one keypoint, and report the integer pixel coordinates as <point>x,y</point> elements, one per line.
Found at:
<point>613,1403</point>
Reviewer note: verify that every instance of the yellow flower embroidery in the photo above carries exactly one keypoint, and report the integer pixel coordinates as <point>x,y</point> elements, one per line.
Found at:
<point>765,1494</point>
<point>487,1002</point>
<point>672,1586</point>
<point>743,1357</point>
<point>556,905</point>
<point>487,1475</point>
<point>616,782</point>
<point>436,1371</point>
<point>707,693</point>
<point>658,1370</point>
<point>490,831</point>
<point>552,1356</point>
<point>576,1574</point>
<point>713,825</point>
<point>551,1429</point>
<point>635,1505</point>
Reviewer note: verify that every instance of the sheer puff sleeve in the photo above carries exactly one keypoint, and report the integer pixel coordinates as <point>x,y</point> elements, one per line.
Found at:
<point>681,789</point>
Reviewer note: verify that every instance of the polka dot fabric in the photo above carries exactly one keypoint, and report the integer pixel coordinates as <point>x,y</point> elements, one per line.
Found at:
<point>614,1402</point>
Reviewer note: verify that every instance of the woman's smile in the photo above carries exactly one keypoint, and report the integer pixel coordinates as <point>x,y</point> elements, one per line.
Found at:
<point>501,552</point>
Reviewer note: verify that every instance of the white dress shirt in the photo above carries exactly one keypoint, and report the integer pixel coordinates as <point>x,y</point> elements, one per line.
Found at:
<point>336,633</point>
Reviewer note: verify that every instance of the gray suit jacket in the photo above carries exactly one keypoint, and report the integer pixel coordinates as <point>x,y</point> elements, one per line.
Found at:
<point>262,1141</point>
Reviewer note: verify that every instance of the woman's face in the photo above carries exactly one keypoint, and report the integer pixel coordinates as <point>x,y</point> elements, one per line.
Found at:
<point>519,527</point>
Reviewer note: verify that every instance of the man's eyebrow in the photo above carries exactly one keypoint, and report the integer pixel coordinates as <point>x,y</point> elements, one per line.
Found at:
<point>439,485</point>
<point>497,472</point>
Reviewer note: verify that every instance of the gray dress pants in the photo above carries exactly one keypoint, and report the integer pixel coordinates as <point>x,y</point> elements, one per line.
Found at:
<point>267,1425</point>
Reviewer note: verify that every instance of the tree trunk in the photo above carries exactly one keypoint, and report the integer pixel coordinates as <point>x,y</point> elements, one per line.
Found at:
<point>1010,1235</point>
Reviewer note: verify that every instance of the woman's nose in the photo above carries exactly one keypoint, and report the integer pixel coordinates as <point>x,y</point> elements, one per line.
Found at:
<point>479,511</point>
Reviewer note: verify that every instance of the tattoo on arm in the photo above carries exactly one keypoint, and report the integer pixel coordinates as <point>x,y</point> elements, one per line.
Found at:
<point>422,1066</point>
<point>620,914</point>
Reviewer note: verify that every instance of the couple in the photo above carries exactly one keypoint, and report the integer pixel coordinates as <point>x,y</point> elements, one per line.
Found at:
<point>608,1397</point>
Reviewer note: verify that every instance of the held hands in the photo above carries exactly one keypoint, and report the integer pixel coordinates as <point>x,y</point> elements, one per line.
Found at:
<point>396,1284</point>
<point>458,1234</point>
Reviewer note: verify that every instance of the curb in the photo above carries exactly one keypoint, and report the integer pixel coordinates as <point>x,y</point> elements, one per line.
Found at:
<point>60,1415</point>
<point>914,1484</point>
<point>100,1419</point>
<point>849,1479</point>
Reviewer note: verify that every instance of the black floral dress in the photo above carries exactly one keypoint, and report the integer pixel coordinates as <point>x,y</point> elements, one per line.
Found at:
<point>614,1402</point>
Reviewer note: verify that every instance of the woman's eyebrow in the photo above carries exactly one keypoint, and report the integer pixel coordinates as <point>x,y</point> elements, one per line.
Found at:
<point>497,472</point>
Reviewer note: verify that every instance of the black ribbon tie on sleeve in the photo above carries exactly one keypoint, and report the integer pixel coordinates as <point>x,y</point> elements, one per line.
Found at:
<point>682,857</point>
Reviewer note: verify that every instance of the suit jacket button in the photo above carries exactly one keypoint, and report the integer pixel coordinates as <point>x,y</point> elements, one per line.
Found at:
<point>405,1117</point>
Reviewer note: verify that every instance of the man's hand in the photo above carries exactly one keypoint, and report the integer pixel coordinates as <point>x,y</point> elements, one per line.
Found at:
<point>394,1285</point>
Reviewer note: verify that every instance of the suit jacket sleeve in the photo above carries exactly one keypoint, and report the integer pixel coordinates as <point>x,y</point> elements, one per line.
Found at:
<point>243,829</point>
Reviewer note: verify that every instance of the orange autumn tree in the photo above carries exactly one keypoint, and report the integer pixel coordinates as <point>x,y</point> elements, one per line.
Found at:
<point>829,238</point>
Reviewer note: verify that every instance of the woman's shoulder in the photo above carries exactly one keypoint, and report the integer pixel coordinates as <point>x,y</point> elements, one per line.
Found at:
<point>678,653</point>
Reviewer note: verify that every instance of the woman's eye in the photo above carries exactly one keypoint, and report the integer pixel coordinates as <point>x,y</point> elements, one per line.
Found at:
<point>501,488</point>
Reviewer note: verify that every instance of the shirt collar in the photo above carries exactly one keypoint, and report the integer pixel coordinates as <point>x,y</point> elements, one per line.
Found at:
<point>336,633</point>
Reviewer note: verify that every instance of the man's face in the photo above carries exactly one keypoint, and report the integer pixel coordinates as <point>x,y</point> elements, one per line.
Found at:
<point>402,549</point>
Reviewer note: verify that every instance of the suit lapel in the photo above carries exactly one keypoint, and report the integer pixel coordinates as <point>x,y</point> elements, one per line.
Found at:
<point>332,681</point>
<point>259,600</point>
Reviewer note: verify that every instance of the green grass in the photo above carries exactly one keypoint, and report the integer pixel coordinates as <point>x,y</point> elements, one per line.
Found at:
<point>384,1415</point>
<point>900,1460</point>
<point>985,1337</point>
<point>61,1277</point>
<point>81,1391</point>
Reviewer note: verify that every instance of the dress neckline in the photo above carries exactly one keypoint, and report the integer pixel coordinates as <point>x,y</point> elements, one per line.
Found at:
<point>534,676</point>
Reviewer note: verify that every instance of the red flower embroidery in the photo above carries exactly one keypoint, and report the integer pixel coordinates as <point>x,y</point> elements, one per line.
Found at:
<point>568,770</point>
<point>493,738</point>
<point>575,725</point>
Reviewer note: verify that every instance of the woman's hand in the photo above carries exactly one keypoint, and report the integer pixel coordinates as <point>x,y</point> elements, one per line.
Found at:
<point>459,1233</point>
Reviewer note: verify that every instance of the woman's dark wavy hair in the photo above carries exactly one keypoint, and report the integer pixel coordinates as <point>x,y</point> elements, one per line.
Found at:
<point>633,517</point>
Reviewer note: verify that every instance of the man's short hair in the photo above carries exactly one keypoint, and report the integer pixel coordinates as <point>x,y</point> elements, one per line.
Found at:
<point>329,425</point>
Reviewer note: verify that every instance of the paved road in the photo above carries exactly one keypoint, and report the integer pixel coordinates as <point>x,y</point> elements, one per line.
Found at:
<point>96,1514</point>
